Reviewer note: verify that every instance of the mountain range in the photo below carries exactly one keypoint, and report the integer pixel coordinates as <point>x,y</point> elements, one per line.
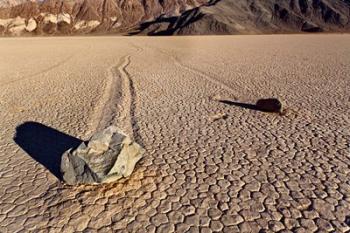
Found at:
<point>172,17</point>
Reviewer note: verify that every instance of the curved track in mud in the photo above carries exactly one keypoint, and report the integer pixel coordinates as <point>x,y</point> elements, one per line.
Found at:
<point>120,105</point>
<point>209,78</point>
<point>115,107</point>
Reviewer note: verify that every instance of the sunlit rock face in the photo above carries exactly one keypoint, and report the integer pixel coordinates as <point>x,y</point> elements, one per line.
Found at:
<point>108,156</point>
<point>88,16</point>
<point>11,3</point>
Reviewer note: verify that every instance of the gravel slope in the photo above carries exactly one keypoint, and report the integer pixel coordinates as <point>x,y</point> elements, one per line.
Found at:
<point>247,172</point>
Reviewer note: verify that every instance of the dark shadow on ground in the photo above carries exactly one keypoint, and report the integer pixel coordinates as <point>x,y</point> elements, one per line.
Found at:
<point>347,220</point>
<point>242,105</point>
<point>271,105</point>
<point>45,144</point>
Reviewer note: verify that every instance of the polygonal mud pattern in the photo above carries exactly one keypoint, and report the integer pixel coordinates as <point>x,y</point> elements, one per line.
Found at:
<point>250,172</point>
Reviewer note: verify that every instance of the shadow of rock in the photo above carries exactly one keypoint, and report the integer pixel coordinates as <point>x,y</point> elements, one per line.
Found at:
<point>263,105</point>
<point>347,220</point>
<point>239,104</point>
<point>45,144</point>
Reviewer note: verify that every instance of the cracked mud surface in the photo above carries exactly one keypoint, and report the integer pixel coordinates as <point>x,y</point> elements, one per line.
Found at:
<point>248,171</point>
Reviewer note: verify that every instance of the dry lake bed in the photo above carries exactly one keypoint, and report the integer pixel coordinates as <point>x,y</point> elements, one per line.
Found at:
<point>213,162</point>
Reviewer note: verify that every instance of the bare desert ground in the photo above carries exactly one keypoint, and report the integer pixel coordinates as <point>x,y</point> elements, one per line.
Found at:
<point>210,165</point>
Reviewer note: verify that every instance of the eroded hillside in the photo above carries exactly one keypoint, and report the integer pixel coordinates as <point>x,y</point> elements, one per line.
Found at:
<point>168,17</point>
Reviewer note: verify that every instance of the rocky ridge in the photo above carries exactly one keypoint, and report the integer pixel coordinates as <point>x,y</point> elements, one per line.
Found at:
<point>11,3</point>
<point>85,16</point>
<point>169,17</point>
<point>256,17</point>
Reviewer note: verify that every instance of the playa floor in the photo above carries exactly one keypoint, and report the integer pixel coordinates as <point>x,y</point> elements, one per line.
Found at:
<point>213,163</point>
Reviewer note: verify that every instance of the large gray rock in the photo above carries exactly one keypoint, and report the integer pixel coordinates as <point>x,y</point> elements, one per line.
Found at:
<point>108,156</point>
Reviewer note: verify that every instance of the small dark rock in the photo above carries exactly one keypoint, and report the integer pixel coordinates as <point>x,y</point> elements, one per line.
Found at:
<point>269,105</point>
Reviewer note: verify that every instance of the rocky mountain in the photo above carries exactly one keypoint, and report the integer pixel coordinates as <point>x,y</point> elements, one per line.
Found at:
<point>49,17</point>
<point>11,3</point>
<point>169,17</point>
<point>256,17</point>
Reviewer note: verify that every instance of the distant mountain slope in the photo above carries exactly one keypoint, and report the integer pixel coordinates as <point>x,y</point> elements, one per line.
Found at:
<point>170,17</point>
<point>255,17</point>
